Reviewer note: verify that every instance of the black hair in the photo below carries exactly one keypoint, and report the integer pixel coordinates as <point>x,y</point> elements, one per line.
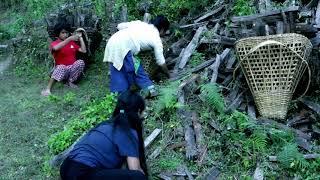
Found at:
<point>161,22</point>
<point>60,26</point>
<point>126,117</point>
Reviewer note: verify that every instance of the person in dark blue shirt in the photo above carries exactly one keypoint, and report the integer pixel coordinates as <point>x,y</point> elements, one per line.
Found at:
<point>101,153</point>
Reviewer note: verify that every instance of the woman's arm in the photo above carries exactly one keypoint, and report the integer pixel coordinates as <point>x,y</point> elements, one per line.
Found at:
<point>134,164</point>
<point>65,42</point>
<point>82,48</point>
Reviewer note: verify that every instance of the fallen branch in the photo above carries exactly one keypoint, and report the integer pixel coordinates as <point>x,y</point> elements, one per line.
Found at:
<point>151,137</point>
<point>306,156</point>
<point>313,106</point>
<point>188,172</point>
<point>191,46</point>
<point>209,14</point>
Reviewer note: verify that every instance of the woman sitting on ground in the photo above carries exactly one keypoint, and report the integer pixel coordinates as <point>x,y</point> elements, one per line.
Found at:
<point>64,51</point>
<point>102,152</point>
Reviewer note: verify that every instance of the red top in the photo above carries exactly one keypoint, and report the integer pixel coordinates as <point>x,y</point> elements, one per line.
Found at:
<point>67,54</point>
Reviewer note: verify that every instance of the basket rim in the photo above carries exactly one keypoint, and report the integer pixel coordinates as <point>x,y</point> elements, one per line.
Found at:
<point>273,37</point>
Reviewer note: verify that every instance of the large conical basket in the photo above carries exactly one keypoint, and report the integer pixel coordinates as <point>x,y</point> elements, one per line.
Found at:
<point>273,66</point>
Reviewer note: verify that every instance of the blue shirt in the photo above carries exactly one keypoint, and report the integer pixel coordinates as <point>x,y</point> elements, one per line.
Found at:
<point>104,148</point>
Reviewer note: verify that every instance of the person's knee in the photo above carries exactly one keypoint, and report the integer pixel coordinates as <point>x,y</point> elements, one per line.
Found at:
<point>80,63</point>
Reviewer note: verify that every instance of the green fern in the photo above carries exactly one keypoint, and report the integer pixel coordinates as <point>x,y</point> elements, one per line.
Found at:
<point>280,136</point>
<point>259,141</point>
<point>239,121</point>
<point>211,95</point>
<point>290,157</point>
<point>167,100</point>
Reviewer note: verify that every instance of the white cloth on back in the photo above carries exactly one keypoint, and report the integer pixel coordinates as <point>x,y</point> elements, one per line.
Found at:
<point>134,36</point>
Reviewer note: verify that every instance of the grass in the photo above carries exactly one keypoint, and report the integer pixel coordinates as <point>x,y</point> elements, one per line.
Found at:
<point>28,119</point>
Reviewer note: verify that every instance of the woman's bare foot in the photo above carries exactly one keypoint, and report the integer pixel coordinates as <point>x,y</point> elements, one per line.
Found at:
<point>70,84</point>
<point>45,92</point>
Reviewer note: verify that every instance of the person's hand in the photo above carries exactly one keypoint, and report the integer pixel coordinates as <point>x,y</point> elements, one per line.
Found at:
<point>74,37</point>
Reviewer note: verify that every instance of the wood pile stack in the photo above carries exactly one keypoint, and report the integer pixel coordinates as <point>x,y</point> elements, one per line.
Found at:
<point>78,15</point>
<point>211,33</point>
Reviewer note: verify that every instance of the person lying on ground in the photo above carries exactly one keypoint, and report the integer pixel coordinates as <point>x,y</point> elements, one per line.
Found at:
<point>64,51</point>
<point>132,38</point>
<point>102,152</point>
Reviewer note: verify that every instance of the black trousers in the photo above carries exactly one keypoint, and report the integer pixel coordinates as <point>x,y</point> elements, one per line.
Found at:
<point>72,170</point>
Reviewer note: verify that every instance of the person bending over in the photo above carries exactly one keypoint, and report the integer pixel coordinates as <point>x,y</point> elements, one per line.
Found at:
<point>102,152</point>
<point>64,51</point>
<point>132,38</point>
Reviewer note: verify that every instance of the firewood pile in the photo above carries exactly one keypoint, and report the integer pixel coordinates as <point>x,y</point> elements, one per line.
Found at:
<point>78,15</point>
<point>212,34</point>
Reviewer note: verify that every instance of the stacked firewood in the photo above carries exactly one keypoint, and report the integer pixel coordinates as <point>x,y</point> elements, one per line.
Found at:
<point>211,33</point>
<point>78,15</point>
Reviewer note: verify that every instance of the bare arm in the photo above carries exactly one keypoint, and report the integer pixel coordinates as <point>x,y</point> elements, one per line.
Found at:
<point>82,48</point>
<point>134,164</point>
<point>65,42</point>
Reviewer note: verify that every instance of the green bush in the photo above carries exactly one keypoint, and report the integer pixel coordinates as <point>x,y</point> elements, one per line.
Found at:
<point>92,115</point>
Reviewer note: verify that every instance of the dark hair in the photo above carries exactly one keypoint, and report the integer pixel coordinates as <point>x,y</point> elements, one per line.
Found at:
<point>126,116</point>
<point>59,27</point>
<point>161,22</point>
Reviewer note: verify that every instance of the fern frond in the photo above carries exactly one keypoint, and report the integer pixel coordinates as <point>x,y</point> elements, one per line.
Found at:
<point>289,155</point>
<point>259,141</point>
<point>210,94</point>
<point>167,99</point>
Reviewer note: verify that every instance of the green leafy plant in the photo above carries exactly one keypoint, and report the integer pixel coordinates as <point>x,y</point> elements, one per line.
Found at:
<point>210,94</point>
<point>95,113</point>
<point>167,100</point>
<point>290,157</point>
<point>243,7</point>
<point>196,59</point>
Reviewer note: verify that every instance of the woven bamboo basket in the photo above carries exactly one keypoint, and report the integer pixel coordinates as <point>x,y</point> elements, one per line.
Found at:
<point>273,66</point>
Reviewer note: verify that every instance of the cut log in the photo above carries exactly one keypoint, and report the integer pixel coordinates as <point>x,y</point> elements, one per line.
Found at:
<point>209,14</point>
<point>317,18</point>
<point>217,39</point>
<point>212,174</point>
<point>165,176</point>
<point>151,137</point>
<point>235,103</point>
<point>251,112</point>
<point>191,149</point>
<point>282,126</point>
<point>230,61</point>
<point>313,106</point>
<point>270,15</point>
<point>297,120</point>
<point>197,130</point>
<point>218,60</point>
<point>3,46</point>
<point>304,28</point>
<point>186,170</point>
<point>311,4</point>
<point>203,155</point>
<point>258,174</point>
<point>203,65</point>
<point>194,25</point>
<point>191,47</point>
<point>306,156</point>
<point>227,80</point>
<point>177,145</point>
<point>215,67</point>
<point>280,27</point>
<point>155,153</point>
